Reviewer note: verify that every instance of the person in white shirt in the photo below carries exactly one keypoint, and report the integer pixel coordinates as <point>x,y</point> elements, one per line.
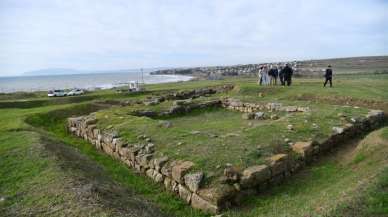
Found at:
<point>265,75</point>
<point>260,75</point>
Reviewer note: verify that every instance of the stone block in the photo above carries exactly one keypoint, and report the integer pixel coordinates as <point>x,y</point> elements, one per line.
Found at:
<point>254,175</point>
<point>231,174</point>
<point>278,163</point>
<point>167,168</point>
<point>180,169</point>
<point>184,193</point>
<point>124,153</point>
<point>90,121</point>
<point>193,180</point>
<point>160,162</point>
<point>150,173</point>
<point>158,177</point>
<point>144,160</point>
<point>219,195</point>
<point>304,149</point>
<point>167,183</point>
<point>199,203</point>
<point>174,186</point>
<point>289,108</point>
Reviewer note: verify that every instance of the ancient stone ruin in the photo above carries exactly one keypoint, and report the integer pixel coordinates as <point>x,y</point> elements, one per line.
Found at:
<point>177,175</point>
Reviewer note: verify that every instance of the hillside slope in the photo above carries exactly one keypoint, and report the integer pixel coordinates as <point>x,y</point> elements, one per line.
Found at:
<point>350,65</point>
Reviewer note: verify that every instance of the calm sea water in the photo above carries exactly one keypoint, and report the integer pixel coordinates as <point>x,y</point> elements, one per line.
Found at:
<point>86,81</point>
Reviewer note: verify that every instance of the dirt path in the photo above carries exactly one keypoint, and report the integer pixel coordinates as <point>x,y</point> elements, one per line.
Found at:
<point>93,187</point>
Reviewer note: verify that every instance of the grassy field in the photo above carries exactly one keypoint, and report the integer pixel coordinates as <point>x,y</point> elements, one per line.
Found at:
<point>209,137</point>
<point>46,172</point>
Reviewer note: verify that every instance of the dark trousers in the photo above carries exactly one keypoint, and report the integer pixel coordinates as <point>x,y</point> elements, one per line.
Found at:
<point>281,77</point>
<point>287,81</point>
<point>328,79</point>
<point>274,80</point>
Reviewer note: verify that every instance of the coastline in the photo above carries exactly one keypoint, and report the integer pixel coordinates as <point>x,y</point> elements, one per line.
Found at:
<point>84,81</point>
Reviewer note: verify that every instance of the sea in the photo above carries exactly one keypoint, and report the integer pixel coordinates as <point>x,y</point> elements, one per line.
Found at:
<point>84,81</point>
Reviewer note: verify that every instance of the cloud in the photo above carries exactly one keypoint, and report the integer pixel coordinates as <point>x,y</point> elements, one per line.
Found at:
<point>88,34</point>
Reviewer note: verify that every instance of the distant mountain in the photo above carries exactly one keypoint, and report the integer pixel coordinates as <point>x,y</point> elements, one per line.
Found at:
<point>65,71</point>
<point>53,71</point>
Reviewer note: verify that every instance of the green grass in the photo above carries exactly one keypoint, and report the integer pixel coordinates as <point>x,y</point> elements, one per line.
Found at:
<point>30,180</point>
<point>325,187</point>
<point>55,121</point>
<point>359,157</point>
<point>384,134</point>
<point>377,200</point>
<point>377,197</point>
<point>209,137</point>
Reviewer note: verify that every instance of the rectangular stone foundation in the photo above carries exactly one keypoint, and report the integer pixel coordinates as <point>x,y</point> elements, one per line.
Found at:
<point>171,173</point>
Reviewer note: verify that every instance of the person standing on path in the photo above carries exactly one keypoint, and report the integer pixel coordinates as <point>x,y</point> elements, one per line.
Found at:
<point>328,76</point>
<point>288,74</point>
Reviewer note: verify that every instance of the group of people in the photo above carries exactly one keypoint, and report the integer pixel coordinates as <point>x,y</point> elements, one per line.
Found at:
<point>268,75</point>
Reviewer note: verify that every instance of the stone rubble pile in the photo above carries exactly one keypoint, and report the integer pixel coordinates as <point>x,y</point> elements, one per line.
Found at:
<point>237,105</point>
<point>179,177</point>
<point>180,107</point>
<point>188,94</point>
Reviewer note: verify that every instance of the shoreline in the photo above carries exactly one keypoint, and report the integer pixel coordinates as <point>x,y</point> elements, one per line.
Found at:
<point>90,82</point>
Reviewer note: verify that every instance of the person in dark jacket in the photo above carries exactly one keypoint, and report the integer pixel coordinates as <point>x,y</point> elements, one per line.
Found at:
<point>281,75</point>
<point>273,73</point>
<point>328,76</point>
<point>288,74</point>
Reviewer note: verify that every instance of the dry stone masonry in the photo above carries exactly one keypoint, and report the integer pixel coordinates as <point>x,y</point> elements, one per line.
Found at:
<point>258,110</point>
<point>179,177</point>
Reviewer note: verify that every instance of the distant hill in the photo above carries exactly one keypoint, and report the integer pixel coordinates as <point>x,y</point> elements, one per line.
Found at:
<point>371,64</point>
<point>350,65</point>
<point>53,71</point>
<point>65,71</point>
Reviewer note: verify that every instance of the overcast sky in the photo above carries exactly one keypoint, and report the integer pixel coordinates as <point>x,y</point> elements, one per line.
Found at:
<point>123,34</point>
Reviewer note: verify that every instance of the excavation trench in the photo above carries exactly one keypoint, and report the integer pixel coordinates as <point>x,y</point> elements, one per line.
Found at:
<point>93,186</point>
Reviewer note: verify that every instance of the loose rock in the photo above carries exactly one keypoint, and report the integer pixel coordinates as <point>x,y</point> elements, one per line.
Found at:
<point>338,130</point>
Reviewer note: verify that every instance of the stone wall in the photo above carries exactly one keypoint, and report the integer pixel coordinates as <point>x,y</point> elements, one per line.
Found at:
<point>177,175</point>
<point>180,107</point>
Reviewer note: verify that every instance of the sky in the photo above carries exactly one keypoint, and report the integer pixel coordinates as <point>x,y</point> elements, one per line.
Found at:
<point>128,34</point>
